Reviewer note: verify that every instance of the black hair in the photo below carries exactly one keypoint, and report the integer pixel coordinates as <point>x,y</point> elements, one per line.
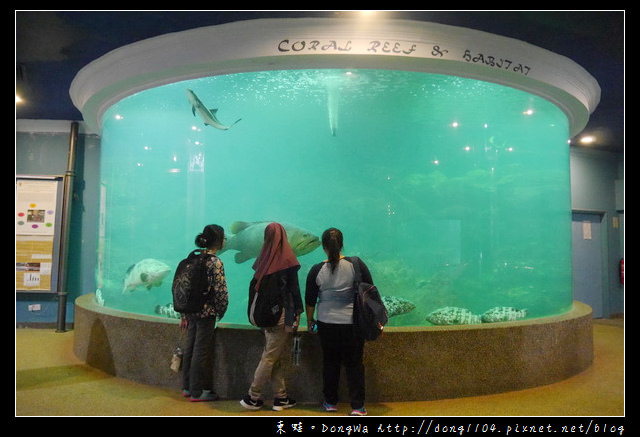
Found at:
<point>332,244</point>
<point>211,237</point>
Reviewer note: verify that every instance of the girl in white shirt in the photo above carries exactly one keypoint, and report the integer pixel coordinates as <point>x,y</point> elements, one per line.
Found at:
<point>330,289</point>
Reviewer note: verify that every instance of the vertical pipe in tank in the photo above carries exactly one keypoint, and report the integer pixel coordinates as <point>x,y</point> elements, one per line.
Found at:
<point>195,192</point>
<point>333,106</point>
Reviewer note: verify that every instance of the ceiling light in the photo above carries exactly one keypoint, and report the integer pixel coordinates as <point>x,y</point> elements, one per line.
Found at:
<point>22,85</point>
<point>588,139</point>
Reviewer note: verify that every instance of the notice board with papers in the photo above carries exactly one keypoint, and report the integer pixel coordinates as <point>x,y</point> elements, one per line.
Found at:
<point>38,217</point>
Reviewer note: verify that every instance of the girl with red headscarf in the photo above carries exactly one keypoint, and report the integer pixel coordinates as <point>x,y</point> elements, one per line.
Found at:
<point>276,258</point>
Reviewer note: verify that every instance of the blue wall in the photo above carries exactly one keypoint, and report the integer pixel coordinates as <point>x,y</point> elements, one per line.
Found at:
<point>593,189</point>
<point>42,148</point>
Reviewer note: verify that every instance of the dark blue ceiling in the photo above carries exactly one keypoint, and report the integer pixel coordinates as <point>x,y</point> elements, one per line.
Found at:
<point>52,46</point>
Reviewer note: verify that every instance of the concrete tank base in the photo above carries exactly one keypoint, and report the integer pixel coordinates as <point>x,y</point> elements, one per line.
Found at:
<point>406,364</point>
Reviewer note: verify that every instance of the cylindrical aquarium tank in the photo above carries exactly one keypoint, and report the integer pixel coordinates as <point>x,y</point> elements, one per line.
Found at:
<point>444,163</point>
<point>440,152</point>
<point>454,191</point>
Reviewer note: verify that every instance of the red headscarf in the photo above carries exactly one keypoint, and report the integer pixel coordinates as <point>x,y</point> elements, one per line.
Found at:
<point>276,253</point>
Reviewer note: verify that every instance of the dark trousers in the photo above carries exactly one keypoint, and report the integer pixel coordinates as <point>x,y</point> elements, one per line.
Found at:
<point>197,359</point>
<point>340,346</point>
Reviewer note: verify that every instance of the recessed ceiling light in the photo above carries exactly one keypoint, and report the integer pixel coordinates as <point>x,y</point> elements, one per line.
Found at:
<point>588,139</point>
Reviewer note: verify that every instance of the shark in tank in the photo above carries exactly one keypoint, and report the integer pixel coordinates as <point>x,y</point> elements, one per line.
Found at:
<point>207,115</point>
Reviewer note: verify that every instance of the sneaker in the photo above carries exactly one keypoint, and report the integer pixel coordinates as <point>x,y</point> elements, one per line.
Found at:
<point>280,404</point>
<point>329,407</point>
<point>186,393</point>
<point>250,404</point>
<point>205,396</point>
<point>359,412</point>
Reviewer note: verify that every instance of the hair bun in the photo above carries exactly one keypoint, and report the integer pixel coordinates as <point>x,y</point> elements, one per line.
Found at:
<point>211,236</point>
<point>201,240</point>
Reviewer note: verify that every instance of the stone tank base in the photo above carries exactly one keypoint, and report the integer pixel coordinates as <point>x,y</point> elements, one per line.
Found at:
<point>406,364</point>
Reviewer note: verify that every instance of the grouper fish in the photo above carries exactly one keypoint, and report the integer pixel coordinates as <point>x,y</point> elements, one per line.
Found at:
<point>207,115</point>
<point>148,272</point>
<point>397,305</point>
<point>249,236</point>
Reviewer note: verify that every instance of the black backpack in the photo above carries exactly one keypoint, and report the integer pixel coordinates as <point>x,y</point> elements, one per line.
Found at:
<point>369,313</point>
<point>265,305</point>
<point>190,286</point>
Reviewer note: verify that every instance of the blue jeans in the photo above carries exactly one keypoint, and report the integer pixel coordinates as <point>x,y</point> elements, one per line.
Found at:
<point>197,359</point>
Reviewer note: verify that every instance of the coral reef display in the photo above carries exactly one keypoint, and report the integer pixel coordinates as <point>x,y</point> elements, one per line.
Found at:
<point>455,192</point>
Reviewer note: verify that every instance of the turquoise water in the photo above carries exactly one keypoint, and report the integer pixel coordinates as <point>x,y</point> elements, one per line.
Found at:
<point>454,191</point>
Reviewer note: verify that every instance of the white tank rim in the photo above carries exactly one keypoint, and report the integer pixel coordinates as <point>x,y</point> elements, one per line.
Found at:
<point>304,43</point>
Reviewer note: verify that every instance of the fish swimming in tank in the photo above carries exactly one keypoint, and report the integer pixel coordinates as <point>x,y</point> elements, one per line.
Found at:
<point>207,115</point>
<point>249,236</point>
<point>462,316</point>
<point>503,314</point>
<point>167,310</point>
<point>453,316</point>
<point>99,299</point>
<point>397,306</point>
<point>148,272</point>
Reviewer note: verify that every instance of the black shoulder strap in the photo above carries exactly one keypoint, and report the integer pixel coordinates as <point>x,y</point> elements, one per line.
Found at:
<point>356,268</point>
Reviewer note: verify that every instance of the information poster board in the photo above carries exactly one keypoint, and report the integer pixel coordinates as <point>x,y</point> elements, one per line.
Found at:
<point>38,213</point>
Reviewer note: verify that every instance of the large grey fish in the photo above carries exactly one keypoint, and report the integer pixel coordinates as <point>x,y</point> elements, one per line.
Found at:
<point>453,316</point>
<point>148,272</point>
<point>397,305</point>
<point>249,236</point>
<point>503,314</point>
<point>207,115</point>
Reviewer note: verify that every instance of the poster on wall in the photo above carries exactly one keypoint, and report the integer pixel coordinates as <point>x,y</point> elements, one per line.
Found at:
<point>34,257</point>
<point>37,232</point>
<point>36,206</point>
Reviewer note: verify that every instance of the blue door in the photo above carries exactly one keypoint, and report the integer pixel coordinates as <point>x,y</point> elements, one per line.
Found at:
<point>588,284</point>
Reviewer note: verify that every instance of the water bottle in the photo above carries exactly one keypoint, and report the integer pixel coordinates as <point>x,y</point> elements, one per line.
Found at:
<point>176,360</point>
<point>295,350</point>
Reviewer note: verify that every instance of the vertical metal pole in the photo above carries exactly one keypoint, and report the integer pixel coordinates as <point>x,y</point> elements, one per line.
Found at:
<point>67,199</point>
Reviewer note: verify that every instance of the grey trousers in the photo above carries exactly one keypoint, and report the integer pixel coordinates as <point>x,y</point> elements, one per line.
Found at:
<point>197,361</point>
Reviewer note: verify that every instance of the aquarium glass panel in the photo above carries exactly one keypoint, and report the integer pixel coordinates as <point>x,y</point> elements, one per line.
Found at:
<point>455,192</point>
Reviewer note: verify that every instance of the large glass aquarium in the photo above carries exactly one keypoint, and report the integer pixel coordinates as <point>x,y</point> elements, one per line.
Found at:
<point>455,192</point>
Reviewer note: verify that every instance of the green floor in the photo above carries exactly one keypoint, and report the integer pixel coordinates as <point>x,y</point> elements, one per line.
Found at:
<point>51,381</point>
